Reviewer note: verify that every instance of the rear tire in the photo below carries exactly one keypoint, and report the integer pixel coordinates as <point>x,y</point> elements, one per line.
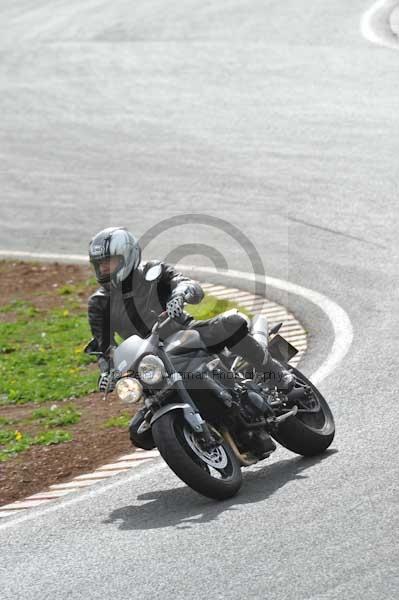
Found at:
<point>307,434</point>
<point>170,436</point>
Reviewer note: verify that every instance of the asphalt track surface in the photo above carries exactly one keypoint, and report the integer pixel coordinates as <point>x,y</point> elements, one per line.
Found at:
<point>281,119</point>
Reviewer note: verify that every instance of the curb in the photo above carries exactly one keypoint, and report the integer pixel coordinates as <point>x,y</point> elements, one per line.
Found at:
<point>292,330</point>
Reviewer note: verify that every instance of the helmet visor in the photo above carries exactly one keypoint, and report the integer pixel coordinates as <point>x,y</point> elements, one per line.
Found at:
<point>106,267</point>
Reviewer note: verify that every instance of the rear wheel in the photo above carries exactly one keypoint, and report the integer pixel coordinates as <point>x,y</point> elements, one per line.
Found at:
<point>311,431</point>
<point>213,473</point>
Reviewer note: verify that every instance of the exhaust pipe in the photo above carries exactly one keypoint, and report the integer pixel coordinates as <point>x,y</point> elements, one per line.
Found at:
<point>242,458</point>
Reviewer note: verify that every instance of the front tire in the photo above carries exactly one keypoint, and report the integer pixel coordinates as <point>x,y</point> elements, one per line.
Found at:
<point>307,434</point>
<point>177,446</point>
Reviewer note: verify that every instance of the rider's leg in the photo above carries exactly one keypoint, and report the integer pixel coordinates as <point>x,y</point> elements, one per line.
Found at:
<point>231,330</point>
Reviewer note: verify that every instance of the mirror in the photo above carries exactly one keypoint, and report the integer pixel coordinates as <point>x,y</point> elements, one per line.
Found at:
<point>275,329</point>
<point>153,273</point>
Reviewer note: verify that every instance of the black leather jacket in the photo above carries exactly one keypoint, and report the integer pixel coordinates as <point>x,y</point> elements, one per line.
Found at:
<point>127,310</point>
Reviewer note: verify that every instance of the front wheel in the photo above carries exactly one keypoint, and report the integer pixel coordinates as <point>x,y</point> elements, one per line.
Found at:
<point>215,474</point>
<point>311,431</point>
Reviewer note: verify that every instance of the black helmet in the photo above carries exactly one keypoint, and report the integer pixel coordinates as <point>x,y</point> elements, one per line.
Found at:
<point>114,242</point>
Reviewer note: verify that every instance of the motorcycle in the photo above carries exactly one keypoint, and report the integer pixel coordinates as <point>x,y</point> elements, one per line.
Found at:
<point>210,415</point>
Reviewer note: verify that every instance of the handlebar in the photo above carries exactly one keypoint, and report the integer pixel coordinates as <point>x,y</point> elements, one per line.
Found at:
<point>159,322</point>
<point>162,320</point>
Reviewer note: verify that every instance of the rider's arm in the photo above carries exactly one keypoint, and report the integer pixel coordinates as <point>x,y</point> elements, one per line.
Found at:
<point>99,321</point>
<point>181,285</point>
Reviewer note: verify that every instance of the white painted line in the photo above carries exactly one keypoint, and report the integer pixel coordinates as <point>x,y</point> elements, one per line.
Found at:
<point>277,315</point>
<point>297,341</point>
<point>226,292</point>
<point>139,457</point>
<point>144,453</point>
<point>291,319</point>
<point>215,288</point>
<point>24,504</point>
<point>299,336</point>
<point>5,510</point>
<point>98,475</point>
<point>25,516</point>
<point>43,495</point>
<point>7,513</point>
<point>126,457</point>
<point>294,334</point>
<point>292,328</point>
<point>43,256</point>
<point>255,304</point>
<point>239,296</point>
<point>123,464</point>
<point>70,485</point>
<point>375,24</point>
<point>276,310</point>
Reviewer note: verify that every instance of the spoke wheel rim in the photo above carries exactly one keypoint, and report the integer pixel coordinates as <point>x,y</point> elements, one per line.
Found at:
<point>216,458</point>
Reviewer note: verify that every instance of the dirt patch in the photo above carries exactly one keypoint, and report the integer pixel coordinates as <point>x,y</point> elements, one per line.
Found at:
<point>39,283</point>
<point>92,445</point>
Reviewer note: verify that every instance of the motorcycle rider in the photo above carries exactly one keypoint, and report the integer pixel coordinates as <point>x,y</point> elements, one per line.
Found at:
<point>128,304</point>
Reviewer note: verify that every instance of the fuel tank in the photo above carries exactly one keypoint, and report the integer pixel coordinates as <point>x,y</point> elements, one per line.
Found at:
<point>182,342</point>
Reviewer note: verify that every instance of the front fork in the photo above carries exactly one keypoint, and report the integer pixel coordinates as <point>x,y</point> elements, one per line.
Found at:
<point>194,419</point>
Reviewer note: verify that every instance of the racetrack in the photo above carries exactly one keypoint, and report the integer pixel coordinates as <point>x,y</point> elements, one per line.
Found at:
<point>283,120</point>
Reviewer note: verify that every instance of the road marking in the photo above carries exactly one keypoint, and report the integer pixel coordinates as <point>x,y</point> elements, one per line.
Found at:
<point>44,256</point>
<point>24,504</point>
<point>83,495</point>
<point>375,25</point>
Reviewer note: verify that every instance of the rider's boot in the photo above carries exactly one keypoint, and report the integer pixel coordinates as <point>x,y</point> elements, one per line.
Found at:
<point>269,369</point>
<point>275,375</point>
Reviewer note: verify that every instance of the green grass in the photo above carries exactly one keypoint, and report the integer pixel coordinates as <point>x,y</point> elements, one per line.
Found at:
<point>52,437</point>
<point>121,421</point>
<point>211,306</point>
<point>56,417</point>
<point>77,288</point>
<point>41,358</point>
<point>21,308</point>
<point>6,436</point>
<point>15,442</point>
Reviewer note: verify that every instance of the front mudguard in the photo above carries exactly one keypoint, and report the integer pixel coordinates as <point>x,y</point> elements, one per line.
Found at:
<point>193,419</point>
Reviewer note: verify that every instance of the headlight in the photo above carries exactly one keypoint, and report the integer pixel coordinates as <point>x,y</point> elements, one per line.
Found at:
<point>151,369</point>
<point>129,390</point>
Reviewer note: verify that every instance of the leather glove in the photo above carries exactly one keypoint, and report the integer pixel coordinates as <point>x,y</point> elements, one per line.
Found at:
<point>174,307</point>
<point>190,293</point>
<point>104,383</point>
<point>187,290</point>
